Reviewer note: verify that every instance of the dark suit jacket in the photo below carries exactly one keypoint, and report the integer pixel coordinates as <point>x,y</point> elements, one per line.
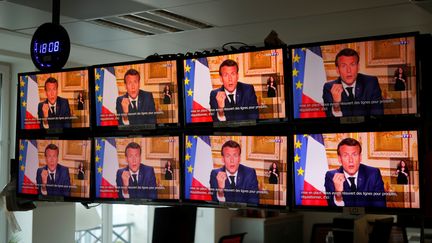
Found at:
<point>367,91</point>
<point>145,104</point>
<point>61,185</point>
<point>369,180</point>
<point>245,98</point>
<point>246,180</point>
<point>62,110</point>
<point>146,178</point>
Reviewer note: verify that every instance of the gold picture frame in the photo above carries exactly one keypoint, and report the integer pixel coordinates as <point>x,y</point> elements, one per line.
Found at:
<point>261,62</point>
<point>388,144</point>
<point>75,149</point>
<point>72,81</point>
<point>158,72</point>
<point>258,148</point>
<point>159,147</point>
<point>386,52</point>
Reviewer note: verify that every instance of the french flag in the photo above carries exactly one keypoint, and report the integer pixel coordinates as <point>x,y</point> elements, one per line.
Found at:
<point>28,165</point>
<point>197,88</point>
<point>106,95</point>
<point>106,168</point>
<point>29,97</point>
<point>308,80</point>
<point>310,164</point>
<point>198,166</point>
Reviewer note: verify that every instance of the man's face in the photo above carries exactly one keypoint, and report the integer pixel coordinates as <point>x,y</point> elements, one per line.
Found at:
<point>347,69</point>
<point>51,157</point>
<point>51,92</point>
<point>231,159</point>
<point>350,158</point>
<point>229,77</point>
<point>132,85</point>
<point>133,158</point>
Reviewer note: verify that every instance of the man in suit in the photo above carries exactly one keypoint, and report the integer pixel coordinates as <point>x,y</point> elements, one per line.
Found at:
<point>354,184</point>
<point>53,179</point>
<point>235,100</point>
<point>54,111</point>
<point>353,93</point>
<point>136,180</point>
<point>136,106</point>
<point>234,182</point>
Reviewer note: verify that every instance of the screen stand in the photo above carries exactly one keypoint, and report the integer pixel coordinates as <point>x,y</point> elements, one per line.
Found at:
<point>350,226</point>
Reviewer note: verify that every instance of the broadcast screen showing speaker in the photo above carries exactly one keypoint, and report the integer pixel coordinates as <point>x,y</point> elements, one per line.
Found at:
<point>136,94</point>
<point>235,87</point>
<point>236,170</point>
<point>357,169</point>
<point>368,77</point>
<point>53,100</point>
<point>54,168</point>
<point>137,168</point>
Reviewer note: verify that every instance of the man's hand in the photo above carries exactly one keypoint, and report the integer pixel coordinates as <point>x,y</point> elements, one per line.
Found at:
<point>125,105</point>
<point>338,180</point>
<point>125,178</point>
<point>336,92</point>
<point>221,177</point>
<point>44,175</point>
<point>220,98</point>
<point>45,109</point>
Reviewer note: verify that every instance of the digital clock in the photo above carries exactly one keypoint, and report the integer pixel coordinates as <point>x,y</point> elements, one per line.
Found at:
<point>50,47</point>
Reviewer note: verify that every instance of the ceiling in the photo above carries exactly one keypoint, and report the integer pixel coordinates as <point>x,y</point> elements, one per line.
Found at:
<point>248,21</point>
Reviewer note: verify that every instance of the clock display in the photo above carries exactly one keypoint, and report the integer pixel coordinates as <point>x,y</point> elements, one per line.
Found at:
<point>50,47</point>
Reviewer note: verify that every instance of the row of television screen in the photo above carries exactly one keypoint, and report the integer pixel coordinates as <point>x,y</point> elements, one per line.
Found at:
<point>301,170</point>
<point>267,84</point>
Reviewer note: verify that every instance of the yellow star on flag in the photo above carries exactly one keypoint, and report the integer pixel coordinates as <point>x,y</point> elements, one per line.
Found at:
<point>98,147</point>
<point>97,76</point>
<point>300,171</point>
<point>97,159</point>
<point>22,83</point>
<point>299,85</point>
<point>297,144</point>
<point>186,81</point>
<point>190,92</point>
<point>295,72</point>
<point>190,168</point>
<point>187,157</point>
<point>21,146</point>
<point>97,87</point>
<point>22,94</point>
<point>188,144</point>
<point>195,136</point>
<point>303,49</point>
<point>99,98</point>
<point>24,104</point>
<point>187,68</point>
<point>305,135</point>
<point>296,58</point>
<point>20,157</point>
<point>99,169</point>
<point>296,158</point>
<point>22,167</point>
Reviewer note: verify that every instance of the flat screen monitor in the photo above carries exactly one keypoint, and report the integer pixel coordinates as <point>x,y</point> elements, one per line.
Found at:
<point>53,101</point>
<point>369,77</point>
<point>139,168</point>
<point>236,171</point>
<point>53,169</point>
<point>136,95</point>
<point>375,170</point>
<point>180,220</point>
<point>229,88</point>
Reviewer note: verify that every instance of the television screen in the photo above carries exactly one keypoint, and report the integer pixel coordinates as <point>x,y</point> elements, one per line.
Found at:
<point>137,168</point>
<point>51,168</point>
<point>136,94</point>
<point>367,77</point>
<point>54,100</point>
<point>246,86</point>
<point>236,170</point>
<point>357,169</point>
